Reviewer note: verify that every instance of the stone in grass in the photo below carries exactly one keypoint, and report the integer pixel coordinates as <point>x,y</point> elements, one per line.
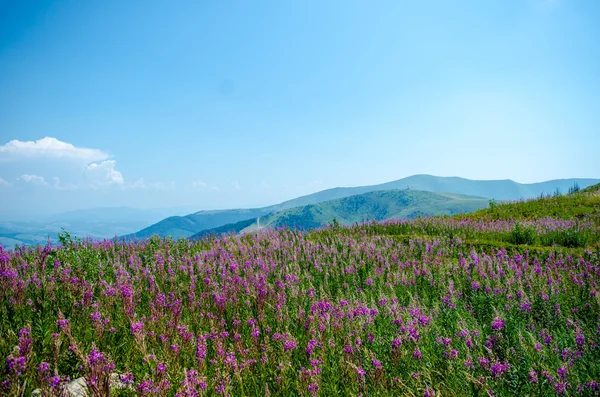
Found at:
<point>117,383</point>
<point>78,387</point>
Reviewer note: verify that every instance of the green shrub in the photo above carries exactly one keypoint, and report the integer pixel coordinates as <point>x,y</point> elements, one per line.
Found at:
<point>522,235</point>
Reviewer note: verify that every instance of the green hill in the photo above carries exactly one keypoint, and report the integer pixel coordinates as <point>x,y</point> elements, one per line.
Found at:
<point>584,204</point>
<point>380,205</point>
<point>570,220</point>
<point>186,226</point>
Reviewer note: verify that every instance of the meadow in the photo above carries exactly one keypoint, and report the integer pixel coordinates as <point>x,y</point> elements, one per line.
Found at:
<point>501,302</point>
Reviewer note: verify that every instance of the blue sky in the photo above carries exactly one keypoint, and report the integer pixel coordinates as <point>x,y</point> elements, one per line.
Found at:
<point>216,104</point>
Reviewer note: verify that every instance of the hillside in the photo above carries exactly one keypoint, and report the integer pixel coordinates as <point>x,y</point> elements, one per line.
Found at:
<point>592,189</point>
<point>581,205</point>
<point>186,226</point>
<point>372,206</point>
<point>570,220</point>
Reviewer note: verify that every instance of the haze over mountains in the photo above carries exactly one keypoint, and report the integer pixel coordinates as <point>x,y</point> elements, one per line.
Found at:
<point>403,198</point>
<point>189,225</point>
<point>97,223</point>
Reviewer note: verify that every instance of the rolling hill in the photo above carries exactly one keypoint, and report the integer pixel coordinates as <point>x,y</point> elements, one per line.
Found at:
<point>186,226</point>
<point>379,205</point>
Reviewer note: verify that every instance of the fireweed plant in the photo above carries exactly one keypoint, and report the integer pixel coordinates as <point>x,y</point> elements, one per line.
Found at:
<point>430,307</point>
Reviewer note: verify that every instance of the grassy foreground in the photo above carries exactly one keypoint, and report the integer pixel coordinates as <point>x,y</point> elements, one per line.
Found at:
<point>501,302</point>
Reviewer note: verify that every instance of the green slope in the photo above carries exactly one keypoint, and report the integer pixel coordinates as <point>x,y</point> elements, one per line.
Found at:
<point>569,220</point>
<point>380,205</point>
<point>186,226</point>
<point>225,229</point>
<point>584,204</point>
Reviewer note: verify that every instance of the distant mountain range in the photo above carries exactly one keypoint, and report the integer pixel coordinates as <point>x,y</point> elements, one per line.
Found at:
<point>190,225</point>
<point>302,212</point>
<point>378,205</point>
<point>97,223</point>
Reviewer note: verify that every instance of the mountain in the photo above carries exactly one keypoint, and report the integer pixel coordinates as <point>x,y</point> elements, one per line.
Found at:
<point>491,189</point>
<point>186,226</point>
<point>379,206</point>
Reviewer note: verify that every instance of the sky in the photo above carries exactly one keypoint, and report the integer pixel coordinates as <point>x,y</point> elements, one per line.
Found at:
<point>218,104</point>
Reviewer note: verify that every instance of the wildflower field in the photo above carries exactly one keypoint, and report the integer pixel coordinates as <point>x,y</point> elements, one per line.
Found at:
<point>501,302</point>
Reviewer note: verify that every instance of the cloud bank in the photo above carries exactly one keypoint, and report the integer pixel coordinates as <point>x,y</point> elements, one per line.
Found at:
<point>51,163</point>
<point>49,148</point>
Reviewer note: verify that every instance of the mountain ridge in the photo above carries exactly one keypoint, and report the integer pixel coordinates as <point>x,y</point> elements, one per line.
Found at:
<point>188,225</point>
<point>376,205</point>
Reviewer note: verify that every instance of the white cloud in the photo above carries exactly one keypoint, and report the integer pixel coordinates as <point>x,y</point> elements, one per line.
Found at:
<point>61,165</point>
<point>56,184</point>
<point>142,184</point>
<point>51,163</point>
<point>104,173</point>
<point>201,185</point>
<point>161,185</point>
<point>33,180</point>
<point>49,148</point>
<point>3,183</point>
<point>236,185</point>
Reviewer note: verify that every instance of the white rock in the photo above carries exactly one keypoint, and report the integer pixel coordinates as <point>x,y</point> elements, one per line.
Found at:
<point>117,383</point>
<point>77,388</point>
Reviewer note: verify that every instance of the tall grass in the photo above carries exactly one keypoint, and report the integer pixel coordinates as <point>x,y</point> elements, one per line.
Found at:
<point>334,312</point>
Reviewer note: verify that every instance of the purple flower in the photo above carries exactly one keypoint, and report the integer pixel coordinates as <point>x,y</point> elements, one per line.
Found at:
<point>533,377</point>
<point>560,388</point>
<point>96,317</point>
<point>96,357</point>
<point>63,324</point>
<point>453,354</point>
<point>136,328</point>
<point>55,381</point>
<point>43,367</point>
<point>161,368</point>
<point>417,354</point>
<point>483,362</point>
<point>498,369</point>
<point>289,345</point>
<point>562,372</point>
<point>497,324</point>
<point>360,372</point>
<point>310,347</point>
